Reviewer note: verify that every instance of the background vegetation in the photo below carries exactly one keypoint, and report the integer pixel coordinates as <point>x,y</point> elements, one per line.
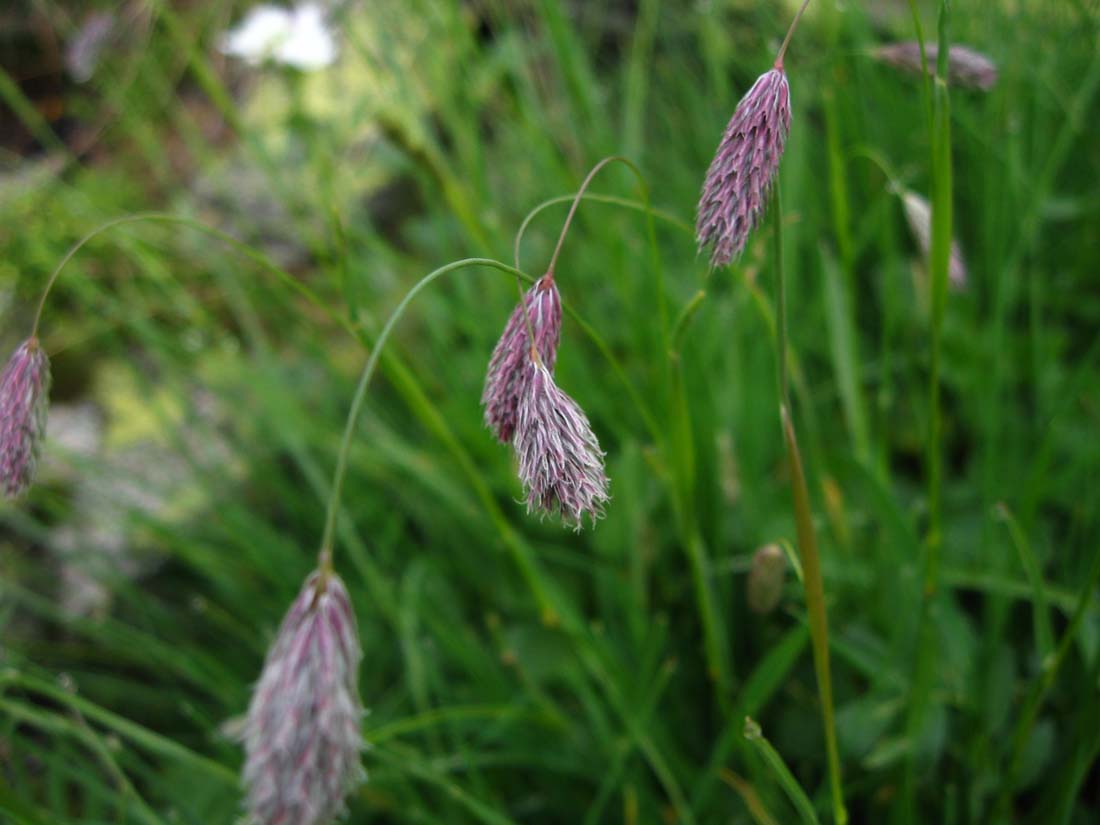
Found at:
<point>516,671</point>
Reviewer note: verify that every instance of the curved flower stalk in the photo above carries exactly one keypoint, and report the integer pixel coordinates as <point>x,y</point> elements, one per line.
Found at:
<point>302,733</point>
<point>560,461</point>
<point>24,398</point>
<point>966,68</point>
<point>736,186</point>
<point>507,374</point>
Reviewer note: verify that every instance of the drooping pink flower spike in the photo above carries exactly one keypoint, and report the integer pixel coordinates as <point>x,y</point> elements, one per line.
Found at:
<point>736,187</point>
<point>24,398</point>
<point>560,461</point>
<point>302,734</point>
<point>737,184</point>
<point>507,374</point>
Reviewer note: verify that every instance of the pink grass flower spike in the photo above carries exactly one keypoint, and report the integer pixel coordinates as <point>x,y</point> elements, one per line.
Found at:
<point>560,461</point>
<point>918,212</point>
<point>966,68</point>
<point>24,397</point>
<point>302,734</point>
<point>507,374</point>
<point>740,177</point>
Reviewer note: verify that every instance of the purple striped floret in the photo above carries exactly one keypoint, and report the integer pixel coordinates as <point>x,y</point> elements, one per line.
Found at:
<point>504,381</point>
<point>740,177</point>
<point>24,396</point>
<point>560,461</point>
<point>302,735</point>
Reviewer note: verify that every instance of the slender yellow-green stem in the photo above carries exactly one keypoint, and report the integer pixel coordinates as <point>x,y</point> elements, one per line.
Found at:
<point>790,34</point>
<point>780,297</point>
<point>812,581</point>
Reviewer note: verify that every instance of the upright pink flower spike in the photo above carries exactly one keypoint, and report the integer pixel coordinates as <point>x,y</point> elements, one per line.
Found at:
<point>504,382</point>
<point>736,187</point>
<point>560,461</point>
<point>302,734</point>
<point>24,397</point>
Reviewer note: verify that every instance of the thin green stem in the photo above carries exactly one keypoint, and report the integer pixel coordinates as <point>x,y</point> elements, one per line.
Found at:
<point>813,582</point>
<point>926,78</point>
<point>780,297</point>
<point>814,587</point>
<point>790,33</point>
<point>926,652</point>
<point>164,217</point>
<point>576,202</point>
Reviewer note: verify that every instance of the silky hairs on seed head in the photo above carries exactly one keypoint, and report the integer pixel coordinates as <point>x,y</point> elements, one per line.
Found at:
<point>560,461</point>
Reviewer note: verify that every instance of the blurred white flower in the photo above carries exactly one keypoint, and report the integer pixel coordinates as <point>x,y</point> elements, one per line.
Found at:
<point>86,47</point>
<point>295,37</point>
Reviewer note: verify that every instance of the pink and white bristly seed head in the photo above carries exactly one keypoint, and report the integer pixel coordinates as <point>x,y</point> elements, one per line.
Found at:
<point>24,398</point>
<point>560,461</point>
<point>504,381</point>
<point>302,735</point>
<point>741,175</point>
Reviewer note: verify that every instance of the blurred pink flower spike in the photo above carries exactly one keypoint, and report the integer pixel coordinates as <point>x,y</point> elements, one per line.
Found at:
<point>302,734</point>
<point>966,68</point>
<point>919,215</point>
<point>24,398</point>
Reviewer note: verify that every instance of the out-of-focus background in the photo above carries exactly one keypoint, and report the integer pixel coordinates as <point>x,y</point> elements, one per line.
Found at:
<point>200,388</point>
